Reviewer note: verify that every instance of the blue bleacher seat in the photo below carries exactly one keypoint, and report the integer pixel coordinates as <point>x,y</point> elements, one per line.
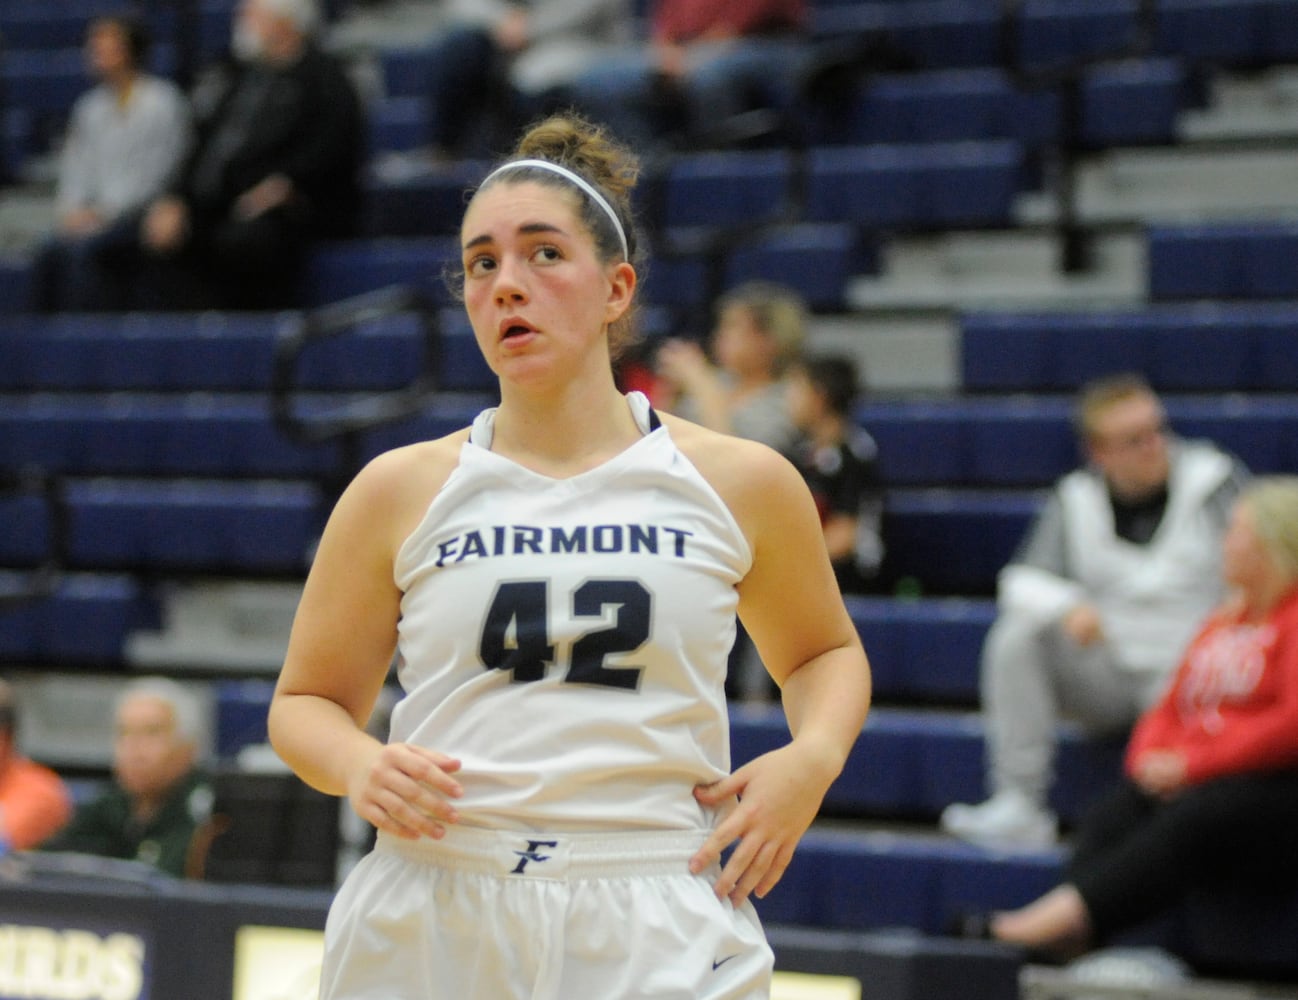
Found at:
<point>216,352</point>
<point>397,123</point>
<point>678,280</point>
<point>727,188</point>
<point>164,352</point>
<point>1028,441</point>
<point>347,268</point>
<point>28,535</point>
<point>428,203</point>
<point>85,620</point>
<point>194,526</point>
<point>405,72</point>
<point>1279,31</point>
<point>924,650</point>
<point>194,435</point>
<point>884,880</point>
<point>936,34</point>
<point>1133,102</point>
<point>916,186</point>
<point>241,708</point>
<point>44,81</point>
<point>15,286</point>
<point>1054,33</point>
<point>943,106</point>
<point>910,763</point>
<point>953,541</point>
<point>1199,347</point>
<point>818,260</point>
<point>1223,31</point>
<point>1222,261</point>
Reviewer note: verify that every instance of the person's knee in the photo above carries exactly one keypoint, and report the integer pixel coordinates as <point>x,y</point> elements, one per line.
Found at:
<point>1013,638</point>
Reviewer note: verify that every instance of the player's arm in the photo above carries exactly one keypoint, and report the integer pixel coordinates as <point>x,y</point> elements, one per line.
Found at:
<point>792,609</point>
<point>339,653</point>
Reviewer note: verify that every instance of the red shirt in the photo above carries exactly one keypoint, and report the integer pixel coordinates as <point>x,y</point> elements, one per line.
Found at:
<point>1232,706</point>
<point>683,20</point>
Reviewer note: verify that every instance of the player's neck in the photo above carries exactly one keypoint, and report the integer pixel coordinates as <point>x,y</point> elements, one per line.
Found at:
<point>566,435</point>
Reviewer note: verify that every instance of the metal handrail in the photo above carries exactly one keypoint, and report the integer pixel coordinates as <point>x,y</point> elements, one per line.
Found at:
<point>346,420</point>
<point>44,580</point>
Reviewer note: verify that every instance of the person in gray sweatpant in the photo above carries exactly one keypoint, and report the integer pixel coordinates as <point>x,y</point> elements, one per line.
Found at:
<point>1118,569</point>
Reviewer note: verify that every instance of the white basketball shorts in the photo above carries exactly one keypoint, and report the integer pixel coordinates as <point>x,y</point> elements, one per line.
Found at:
<point>488,915</point>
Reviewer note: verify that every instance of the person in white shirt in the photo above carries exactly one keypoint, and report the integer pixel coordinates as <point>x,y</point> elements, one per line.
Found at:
<point>125,139</point>
<point>1096,607</point>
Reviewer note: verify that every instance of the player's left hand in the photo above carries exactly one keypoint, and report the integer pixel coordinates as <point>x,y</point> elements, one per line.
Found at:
<point>779,795</point>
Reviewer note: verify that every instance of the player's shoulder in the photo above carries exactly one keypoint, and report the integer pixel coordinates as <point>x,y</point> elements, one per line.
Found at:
<point>415,470</point>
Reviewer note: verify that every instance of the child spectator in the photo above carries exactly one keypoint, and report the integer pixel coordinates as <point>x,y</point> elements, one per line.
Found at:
<point>838,459</point>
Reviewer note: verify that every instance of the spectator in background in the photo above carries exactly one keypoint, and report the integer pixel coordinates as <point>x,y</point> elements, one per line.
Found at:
<point>759,332</point>
<point>838,459</point>
<point>504,62</point>
<point>34,802</point>
<point>160,798</point>
<point>1098,604</point>
<point>703,63</point>
<point>276,165</point>
<point>760,328</point>
<point>125,140</point>
<point>1210,792</point>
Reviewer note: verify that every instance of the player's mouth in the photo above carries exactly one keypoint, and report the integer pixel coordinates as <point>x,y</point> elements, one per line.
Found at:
<point>513,328</point>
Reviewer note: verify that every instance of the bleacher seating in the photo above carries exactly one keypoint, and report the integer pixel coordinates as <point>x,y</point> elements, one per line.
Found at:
<point>178,469</point>
<point>1247,260</point>
<point>1203,347</point>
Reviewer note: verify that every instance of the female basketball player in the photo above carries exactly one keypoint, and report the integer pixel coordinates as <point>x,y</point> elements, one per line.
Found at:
<point>560,582</point>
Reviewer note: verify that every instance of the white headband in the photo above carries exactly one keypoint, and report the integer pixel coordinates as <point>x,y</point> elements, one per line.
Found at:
<point>577,179</point>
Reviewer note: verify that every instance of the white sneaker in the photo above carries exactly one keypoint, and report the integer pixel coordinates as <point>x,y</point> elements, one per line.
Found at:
<point>1007,819</point>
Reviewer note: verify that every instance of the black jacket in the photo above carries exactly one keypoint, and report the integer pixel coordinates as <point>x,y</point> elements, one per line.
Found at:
<point>304,121</point>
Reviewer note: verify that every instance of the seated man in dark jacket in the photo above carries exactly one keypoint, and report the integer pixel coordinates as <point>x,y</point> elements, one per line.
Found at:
<point>276,163</point>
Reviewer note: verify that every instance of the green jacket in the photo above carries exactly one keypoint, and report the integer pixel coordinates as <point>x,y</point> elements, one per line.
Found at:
<point>104,826</point>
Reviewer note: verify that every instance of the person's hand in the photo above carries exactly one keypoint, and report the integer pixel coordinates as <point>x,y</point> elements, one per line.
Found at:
<point>1160,772</point>
<point>266,194</point>
<point>81,222</point>
<point>779,794</point>
<point>165,225</point>
<point>1082,624</point>
<point>684,365</point>
<point>406,790</point>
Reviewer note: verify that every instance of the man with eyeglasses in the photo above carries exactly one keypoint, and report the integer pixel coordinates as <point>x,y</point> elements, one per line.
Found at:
<point>1095,608</point>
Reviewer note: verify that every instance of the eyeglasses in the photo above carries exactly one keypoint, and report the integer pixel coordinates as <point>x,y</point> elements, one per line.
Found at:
<point>1140,437</point>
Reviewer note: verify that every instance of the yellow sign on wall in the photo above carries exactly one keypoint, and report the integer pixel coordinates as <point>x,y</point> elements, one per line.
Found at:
<point>805,986</point>
<point>277,963</point>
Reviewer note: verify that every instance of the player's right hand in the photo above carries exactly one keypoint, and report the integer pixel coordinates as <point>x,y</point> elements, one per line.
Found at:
<point>406,790</point>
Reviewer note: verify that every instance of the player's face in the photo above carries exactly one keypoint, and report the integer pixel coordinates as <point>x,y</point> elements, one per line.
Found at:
<point>538,297</point>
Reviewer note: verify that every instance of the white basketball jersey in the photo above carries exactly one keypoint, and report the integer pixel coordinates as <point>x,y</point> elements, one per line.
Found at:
<point>567,639</point>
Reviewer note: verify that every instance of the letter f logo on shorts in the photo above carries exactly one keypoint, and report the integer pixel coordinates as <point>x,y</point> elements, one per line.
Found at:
<point>531,854</point>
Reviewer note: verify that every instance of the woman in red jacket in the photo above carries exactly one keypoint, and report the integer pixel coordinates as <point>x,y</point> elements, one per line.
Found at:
<point>1210,791</point>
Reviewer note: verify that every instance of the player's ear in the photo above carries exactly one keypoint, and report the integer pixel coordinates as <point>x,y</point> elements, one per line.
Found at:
<point>622,283</point>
